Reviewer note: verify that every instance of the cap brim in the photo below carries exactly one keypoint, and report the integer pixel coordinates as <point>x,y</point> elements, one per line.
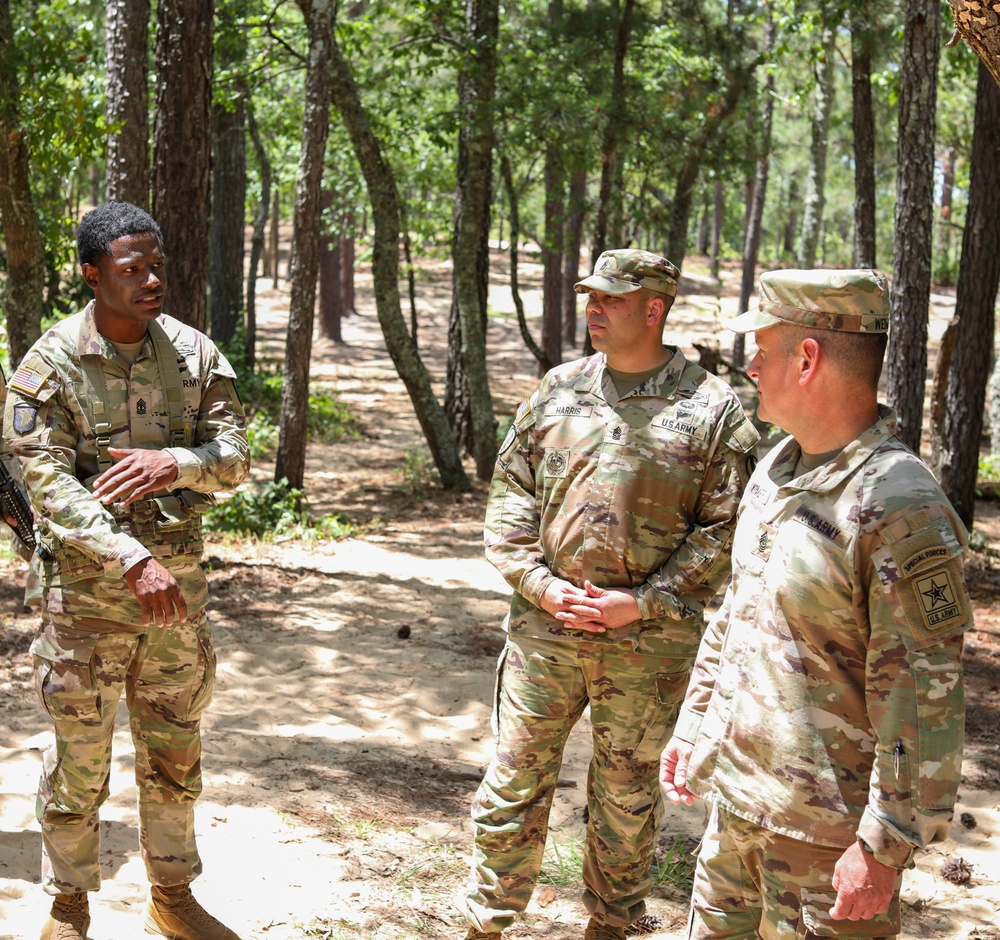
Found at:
<point>751,322</point>
<point>607,285</point>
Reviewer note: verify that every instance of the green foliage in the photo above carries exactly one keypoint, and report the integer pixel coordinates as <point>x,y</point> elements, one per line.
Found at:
<point>275,511</point>
<point>418,473</point>
<point>989,469</point>
<point>329,419</point>
<point>562,863</point>
<point>675,867</point>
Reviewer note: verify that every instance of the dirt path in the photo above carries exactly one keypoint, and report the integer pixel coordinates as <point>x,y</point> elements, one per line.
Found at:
<point>351,720</point>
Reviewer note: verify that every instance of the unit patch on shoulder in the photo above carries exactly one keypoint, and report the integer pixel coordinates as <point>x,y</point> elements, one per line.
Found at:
<point>27,381</point>
<point>24,418</point>
<point>938,599</point>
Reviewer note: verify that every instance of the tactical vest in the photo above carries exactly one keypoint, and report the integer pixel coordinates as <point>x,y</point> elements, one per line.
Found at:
<point>166,522</point>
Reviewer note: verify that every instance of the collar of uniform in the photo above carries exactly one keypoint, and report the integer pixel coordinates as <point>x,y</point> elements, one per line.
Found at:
<point>664,383</point>
<point>92,343</point>
<point>830,475</point>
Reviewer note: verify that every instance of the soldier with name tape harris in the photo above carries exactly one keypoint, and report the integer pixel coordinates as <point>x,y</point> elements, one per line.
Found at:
<point>825,715</point>
<point>610,515</point>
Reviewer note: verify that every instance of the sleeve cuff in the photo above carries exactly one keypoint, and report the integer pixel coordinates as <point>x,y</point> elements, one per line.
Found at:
<point>884,842</point>
<point>188,467</point>
<point>534,583</point>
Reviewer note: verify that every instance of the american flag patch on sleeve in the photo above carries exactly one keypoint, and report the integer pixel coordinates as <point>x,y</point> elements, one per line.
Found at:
<point>27,381</point>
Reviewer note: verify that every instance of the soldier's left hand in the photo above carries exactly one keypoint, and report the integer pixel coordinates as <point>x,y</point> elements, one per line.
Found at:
<point>615,607</point>
<point>865,887</point>
<point>136,473</point>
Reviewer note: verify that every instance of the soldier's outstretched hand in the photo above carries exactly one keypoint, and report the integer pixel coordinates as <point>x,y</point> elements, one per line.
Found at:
<point>157,592</point>
<point>137,472</point>
<point>673,771</point>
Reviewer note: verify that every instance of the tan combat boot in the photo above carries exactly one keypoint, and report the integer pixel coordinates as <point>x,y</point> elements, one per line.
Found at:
<point>69,918</point>
<point>598,931</point>
<point>174,913</point>
<point>474,934</point>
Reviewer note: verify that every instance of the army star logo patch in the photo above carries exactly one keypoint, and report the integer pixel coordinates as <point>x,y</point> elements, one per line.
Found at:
<point>937,598</point>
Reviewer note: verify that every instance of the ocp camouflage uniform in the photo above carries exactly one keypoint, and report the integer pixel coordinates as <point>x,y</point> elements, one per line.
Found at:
<point>826,702</point>
<point>636,492</point>
<point>73,397</point>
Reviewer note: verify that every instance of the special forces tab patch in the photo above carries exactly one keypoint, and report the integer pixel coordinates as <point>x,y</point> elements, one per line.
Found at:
<point>24,418</point>
<point>938,599</point>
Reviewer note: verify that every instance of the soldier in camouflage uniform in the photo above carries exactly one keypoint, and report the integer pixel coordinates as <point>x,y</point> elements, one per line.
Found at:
<point>825,713</point>
<point>610,515</point>
<point>125,421</point>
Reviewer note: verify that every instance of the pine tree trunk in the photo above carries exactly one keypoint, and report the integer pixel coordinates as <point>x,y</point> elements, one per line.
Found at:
<point>914,223</point>
<point>975,306</point>
<point>257,239</point>
<point>608,197</point>
<point>718,218</point>
<point>812,218</point>
<point>182,150</point>
<point>384,200</point>
<point>22,300</point>
<point>571,253</point>
<point>552,256</point>
<point>979,23</point>
<point>751,241</point>
<point>468,401</point>
<point>291,458</point>
<point>127,109</point>
<point>864,144</point>
<point>228,225</point>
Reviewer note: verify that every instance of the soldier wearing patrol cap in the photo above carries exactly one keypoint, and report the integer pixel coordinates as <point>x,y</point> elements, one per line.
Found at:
<point>824,719</point>
<point>125,421</point>
<point>610,515</point>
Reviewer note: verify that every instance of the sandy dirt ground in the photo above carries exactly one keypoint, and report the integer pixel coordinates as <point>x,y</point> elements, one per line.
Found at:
<point>350,725</point>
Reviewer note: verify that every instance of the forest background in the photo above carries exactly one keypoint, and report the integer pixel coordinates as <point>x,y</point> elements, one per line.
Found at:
<point>391,138</point>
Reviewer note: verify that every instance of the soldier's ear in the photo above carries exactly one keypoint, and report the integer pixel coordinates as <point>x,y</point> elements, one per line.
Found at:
<point>656,312</point>
<point>91,274</point>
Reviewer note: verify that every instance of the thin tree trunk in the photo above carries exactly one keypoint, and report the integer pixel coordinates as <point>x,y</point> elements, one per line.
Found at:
<point>257,239</point>
<point>552,255</point>
<point>515,233</point>
<point>384,200</point>
<point>975,306</point>
<point>468,402</point>
<point>718,218</point>
<point>751,242</point>
<point>331,290</point>
<point>127,108</point>
<point>812,219</point>
<point>274,239</point>
<point>22,300</point>
<point>571,253</point>
<point>291,457</point>
<point>608,197</point>
<point>914,224</point>
<point>182,150</point>
<point>864,144</point>
<point>228,223</point>
<point>411,285</point>
<point>948,162</point>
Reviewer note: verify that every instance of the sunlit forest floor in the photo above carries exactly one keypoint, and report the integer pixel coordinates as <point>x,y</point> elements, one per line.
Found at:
<point>350,725</point>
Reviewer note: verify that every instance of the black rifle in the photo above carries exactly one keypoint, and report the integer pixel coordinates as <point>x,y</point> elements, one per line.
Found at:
<point>14,502</point>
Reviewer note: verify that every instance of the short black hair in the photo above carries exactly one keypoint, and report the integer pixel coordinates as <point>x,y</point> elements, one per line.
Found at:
<point>101,226</point>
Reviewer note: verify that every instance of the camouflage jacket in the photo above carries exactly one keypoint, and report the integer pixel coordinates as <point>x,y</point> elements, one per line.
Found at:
<point>48,424</point>
<point>826,701</point>
<point>638,492</point>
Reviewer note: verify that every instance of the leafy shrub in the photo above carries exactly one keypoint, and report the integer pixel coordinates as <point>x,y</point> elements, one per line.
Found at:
<point>275,510</point>
<point>418,472</point>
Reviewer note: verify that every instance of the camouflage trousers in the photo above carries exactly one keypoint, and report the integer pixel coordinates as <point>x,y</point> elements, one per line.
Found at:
<point>168,675</point>
<point>543,688</point>
<point>753,883</point>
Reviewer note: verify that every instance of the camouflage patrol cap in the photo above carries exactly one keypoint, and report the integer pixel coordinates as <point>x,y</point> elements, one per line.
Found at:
<point>627,269</point>
<point>853,301</point>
